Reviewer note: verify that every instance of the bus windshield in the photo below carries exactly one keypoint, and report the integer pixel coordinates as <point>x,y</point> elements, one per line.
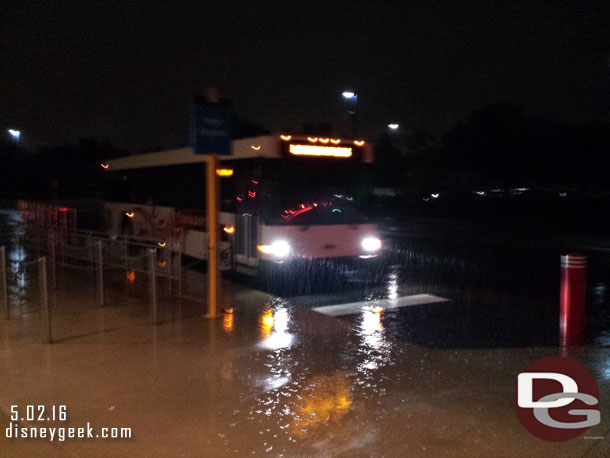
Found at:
<point>338,210</point>
<point>314,193</point>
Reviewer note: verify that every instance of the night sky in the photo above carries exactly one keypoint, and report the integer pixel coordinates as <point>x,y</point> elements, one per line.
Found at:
<point>123,72</point>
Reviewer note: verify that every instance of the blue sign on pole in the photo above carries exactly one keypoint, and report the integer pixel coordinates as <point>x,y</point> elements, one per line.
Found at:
<point>210,127</point>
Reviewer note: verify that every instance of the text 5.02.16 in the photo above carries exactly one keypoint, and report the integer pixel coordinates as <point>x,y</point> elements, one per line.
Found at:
<point>38,413</point>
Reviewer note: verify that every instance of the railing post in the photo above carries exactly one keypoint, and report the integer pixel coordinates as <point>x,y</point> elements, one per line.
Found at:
<point>52,256</point>
<point>125,262</point>
<point>100,273</point>
<point>4,284</point>
<point>44,298</point>
<point>178,273</point>
<point>179,269</point>
<point>152,261</point>
<point>169,267</point>
<point>92,252</point>
<point>38,241</point>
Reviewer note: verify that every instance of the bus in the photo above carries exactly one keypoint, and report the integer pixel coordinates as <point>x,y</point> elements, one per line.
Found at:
<point>283,198</point>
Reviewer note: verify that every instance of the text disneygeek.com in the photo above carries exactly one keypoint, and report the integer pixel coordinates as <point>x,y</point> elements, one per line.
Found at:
<point>38,414</point>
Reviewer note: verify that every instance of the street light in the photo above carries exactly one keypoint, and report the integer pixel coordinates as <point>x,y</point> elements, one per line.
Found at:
<point>15,134</point>
<point>352,101</point>
<point>393,126</point>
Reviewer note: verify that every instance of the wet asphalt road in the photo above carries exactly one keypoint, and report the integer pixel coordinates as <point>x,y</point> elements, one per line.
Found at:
<point>503,286</point>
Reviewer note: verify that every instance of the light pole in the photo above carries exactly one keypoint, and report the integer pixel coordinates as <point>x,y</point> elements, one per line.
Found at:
<point>352,99</point>
<point>15,134</point>
<point>352,109</point>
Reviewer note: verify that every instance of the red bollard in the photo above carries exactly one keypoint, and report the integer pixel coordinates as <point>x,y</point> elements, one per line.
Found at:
<point>572,300</point>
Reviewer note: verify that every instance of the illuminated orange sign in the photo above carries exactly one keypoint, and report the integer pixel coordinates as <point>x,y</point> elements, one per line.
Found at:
<point>325,151</point>
<point>224,172</point>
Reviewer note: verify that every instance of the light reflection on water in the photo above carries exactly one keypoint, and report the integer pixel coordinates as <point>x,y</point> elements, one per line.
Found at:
<point>266,323</point>
<point>228,321</point>
<point>374,348</point>
<point>600,320</point>
<point>371,329</point>
<point>325,399</point>
<point>302,395</point>
<point>273,327</point>
<point>273,331</point>
<point>392,286</point>
<point>294,402</point>
<point>17,254</point>
<point>17,272</point>
<point>22,272</point>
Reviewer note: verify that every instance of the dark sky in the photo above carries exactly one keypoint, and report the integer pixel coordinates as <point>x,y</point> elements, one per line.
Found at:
<point>122,72</point>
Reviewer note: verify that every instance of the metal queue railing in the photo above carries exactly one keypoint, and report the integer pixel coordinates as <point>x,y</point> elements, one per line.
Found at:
<point>93,252</point>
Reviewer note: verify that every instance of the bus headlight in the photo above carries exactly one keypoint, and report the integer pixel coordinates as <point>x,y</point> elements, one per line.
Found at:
<point>279,249</point>
<point>370,244</point>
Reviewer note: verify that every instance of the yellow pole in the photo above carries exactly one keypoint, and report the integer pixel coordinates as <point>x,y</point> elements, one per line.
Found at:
<point>212,207</point>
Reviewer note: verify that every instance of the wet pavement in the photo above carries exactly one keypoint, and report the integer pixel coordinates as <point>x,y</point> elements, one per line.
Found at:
<point>273,377</point>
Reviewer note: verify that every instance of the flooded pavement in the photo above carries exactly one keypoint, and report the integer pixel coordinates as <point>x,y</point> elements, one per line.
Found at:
<point>273,377</point>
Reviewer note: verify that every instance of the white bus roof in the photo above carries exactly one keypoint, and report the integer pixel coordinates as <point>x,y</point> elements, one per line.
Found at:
<point>267,146</point>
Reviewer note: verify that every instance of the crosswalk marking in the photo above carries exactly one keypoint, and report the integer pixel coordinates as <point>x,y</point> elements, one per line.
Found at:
<point>357,307</point>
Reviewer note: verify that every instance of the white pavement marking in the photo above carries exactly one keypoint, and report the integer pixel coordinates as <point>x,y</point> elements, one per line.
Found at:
<point>357,307</point>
